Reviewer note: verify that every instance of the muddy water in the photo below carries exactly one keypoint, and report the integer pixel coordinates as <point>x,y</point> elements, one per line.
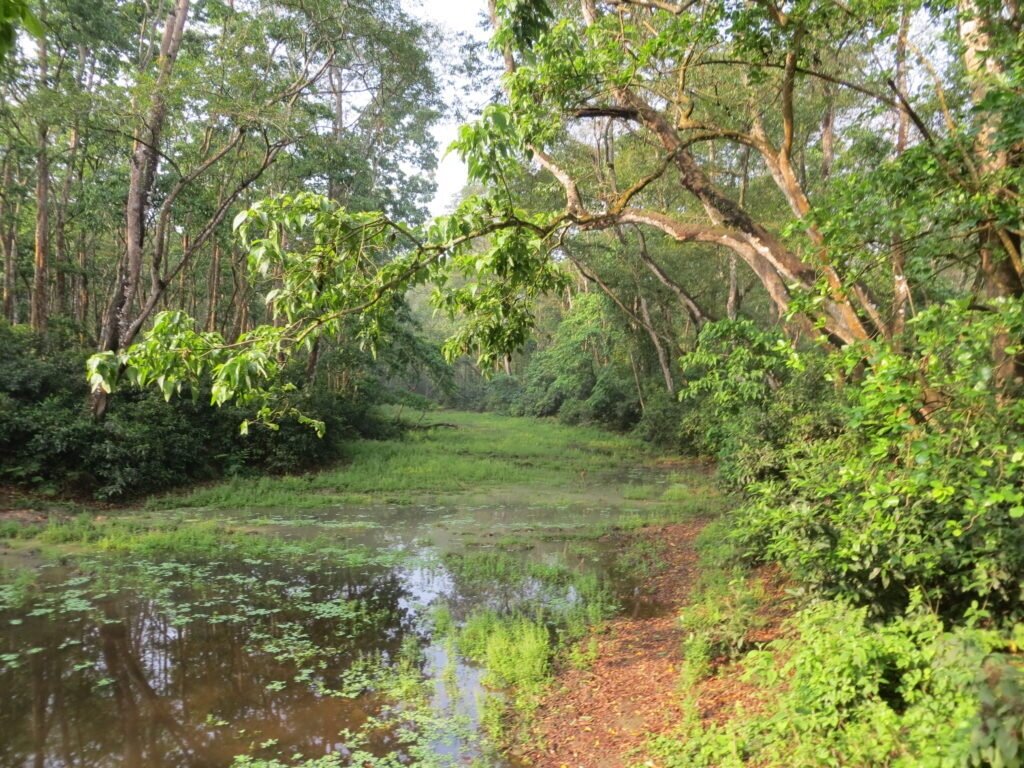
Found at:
<point>173,662</point>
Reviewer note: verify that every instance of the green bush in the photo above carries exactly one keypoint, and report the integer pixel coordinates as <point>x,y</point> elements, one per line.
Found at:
<point>502,395</point>
<point>660,422</point>
<point>843,691</point>
<point>923,489</point>
<point>750,397</point>
<point>876,471</point>
<point>50,442</point>
<point>584,376</point>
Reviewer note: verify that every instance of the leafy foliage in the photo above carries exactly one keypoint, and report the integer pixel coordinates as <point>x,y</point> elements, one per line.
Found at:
<point>331,274</point>
<point>14,13</point>
<point>581,376</point>
<point>50,441</point>
<point>843,691</point>
<point>922,489</point>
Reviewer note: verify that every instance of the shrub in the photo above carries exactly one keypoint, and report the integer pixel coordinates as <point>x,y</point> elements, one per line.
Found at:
<point>50,442</point>
<point>841,690</point>
<point>584,375</point>
<point>750,397</point>
<point>660,422</point>
<point>923,490</point>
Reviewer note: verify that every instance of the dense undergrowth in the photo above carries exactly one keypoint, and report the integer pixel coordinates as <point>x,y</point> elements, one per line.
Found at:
<point>836,686</point>
<point>51,443</point>
<point>888,484</point>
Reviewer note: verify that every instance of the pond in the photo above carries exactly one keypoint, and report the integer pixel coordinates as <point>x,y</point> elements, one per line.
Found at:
<point>303,633</point>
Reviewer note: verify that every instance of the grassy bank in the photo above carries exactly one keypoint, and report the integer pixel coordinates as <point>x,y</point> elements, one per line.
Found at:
<point>454,458</point>
<point>440,454</point>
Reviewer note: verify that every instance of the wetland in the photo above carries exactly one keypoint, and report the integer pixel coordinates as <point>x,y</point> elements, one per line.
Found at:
<point>406,607</point>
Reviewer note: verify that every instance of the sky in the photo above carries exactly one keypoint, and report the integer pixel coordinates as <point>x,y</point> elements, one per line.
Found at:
<point>452,16</point>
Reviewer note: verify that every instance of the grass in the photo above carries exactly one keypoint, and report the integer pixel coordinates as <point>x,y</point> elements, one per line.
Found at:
<point>649,492</point>
<point>484,460</point>
<point>482,452</point>
<point>132,537</point>
<point>723,610</point>
<point>641,559</point>
<point>516,653</point>
<point>502,568</point>
<point>520,645</point>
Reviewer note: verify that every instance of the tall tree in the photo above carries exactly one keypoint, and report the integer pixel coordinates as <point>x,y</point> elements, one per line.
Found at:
<point>142,175</point>
<point>40,285</point>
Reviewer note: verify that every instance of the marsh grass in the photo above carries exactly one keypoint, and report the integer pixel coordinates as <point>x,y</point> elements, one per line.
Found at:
<point>16,587</point>
<point>649,492</point>
<point>516,653</point>
<point>482,452</point>
<point>641,559</point>
<point>503,568</point>
<point>128,537</point>
<point>520,645</point>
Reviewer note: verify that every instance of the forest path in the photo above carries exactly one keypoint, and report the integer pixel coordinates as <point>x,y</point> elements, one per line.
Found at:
<point>601,716</point>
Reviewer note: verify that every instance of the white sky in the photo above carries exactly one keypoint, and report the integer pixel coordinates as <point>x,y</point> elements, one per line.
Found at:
<point>455,16</point>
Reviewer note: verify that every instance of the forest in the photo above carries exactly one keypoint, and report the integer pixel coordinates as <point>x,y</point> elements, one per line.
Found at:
<point>689,433</point>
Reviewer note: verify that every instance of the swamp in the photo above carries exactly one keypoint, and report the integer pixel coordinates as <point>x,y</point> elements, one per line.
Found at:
<point>386,611</point>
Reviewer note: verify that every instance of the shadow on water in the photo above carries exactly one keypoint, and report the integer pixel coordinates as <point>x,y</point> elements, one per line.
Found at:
<point>192,663</point>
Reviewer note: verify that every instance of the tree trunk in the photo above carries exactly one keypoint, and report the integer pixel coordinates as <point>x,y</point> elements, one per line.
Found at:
<point>40,285</point>
<point>142,175</point>
<point>214,295</point>
<point>775,265</point>
<point>828,135</point>
<point>240,299</point>
<point>659,349</point>
<point>636,379</point>
<point>999,253</point>
<point>8,238</point>
<point>697,315</point>
<point>732,302</point>
<point>337,86</point>
<point>901,288</point>
<point>63,261</point>
<point>82,290</point>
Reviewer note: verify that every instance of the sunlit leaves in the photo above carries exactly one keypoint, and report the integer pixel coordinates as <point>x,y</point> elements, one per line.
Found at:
<point>924,486</point>
<point>496,301</point>
<point>493,147</point>
<point>331,273</point>
<point>735,364</point>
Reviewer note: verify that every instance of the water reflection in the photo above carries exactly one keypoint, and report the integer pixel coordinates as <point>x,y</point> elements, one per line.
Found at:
<point>128,682</point>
